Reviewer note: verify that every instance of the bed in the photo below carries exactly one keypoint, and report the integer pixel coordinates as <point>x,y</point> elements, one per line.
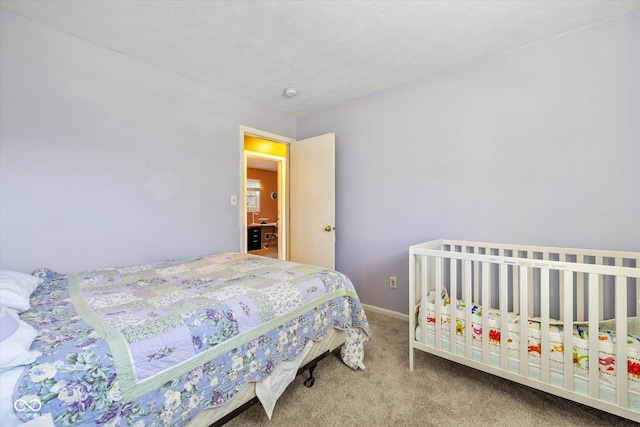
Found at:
<point>534,315</point>
<point>183,342</point>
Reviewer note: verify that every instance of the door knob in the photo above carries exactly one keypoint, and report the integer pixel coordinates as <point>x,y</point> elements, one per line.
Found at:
<point>328,228</point>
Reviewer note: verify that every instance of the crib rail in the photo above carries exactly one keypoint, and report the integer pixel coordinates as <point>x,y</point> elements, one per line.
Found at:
<point>565,284</point>
<point>585,261</point>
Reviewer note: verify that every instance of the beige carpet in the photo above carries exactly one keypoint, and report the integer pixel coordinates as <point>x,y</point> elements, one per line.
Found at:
<point>437,393</point>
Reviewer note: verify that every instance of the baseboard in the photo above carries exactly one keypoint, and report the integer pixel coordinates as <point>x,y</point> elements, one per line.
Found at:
<point>386,312</point>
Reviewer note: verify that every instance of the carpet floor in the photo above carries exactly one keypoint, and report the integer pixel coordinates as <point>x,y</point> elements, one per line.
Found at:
<point>437,393</point>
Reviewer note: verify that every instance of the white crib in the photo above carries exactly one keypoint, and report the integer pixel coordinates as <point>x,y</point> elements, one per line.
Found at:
<point>562,293</point>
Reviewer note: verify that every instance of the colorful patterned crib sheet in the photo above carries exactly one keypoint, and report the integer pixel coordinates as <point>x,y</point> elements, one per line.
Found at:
<point>607,360</point>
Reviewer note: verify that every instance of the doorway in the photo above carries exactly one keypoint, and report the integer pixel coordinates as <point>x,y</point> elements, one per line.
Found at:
<point>263,187</point>
<point>305,196</point>
<point>264,196</point>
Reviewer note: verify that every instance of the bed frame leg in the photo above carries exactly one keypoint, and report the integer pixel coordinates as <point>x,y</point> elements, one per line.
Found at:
<point>311,366</point>
<point>311,380</point>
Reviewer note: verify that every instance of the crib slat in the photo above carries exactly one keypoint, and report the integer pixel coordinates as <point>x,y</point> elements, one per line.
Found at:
<point>485,284</point>
<point>637,294</point>
<point>563,258</point>
<point>453,307</point>
<point>424,279</point>
<point>504,316</point>
<point>476,279</point>
<point>463,289</point>
<point>637,265</point>
<point>438,300</point>
<point>524,324</point>
<point>544,325</point>
<point>489,286</point>
<point>621,344</point>
<point>468,338</point>
<point>567,328</point>
<point>530,288</point>
<point>413,276</point>
<point>580,291</point>
<point>600,261</point>
<point>516,286</point>
<point>594,370</point>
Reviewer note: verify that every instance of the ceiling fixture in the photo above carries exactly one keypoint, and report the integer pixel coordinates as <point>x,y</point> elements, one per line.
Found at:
<point>290,92</point>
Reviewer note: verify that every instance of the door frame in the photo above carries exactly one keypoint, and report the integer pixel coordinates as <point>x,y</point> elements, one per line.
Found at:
<point>283,206</point>
<point>282,199</point>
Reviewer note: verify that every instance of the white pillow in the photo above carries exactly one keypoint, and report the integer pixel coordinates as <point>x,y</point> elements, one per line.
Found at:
<point>16,337</point>
<point>16,289</point>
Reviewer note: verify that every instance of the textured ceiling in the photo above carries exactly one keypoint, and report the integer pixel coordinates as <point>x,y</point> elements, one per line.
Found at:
<point>331,51</point>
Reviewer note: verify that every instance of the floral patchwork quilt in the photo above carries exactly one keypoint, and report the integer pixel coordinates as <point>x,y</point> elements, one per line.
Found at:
<point>156,344</point>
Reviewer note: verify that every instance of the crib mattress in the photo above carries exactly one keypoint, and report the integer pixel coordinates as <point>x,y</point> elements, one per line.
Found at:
<point>607,350</point>
<point>607,392</point>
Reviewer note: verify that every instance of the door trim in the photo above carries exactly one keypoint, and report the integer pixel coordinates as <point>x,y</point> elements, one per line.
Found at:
<point>284,210</point>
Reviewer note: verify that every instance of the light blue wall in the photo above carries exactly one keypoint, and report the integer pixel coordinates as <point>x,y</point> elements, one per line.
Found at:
<point>540,145</point>
<point>107,161</point>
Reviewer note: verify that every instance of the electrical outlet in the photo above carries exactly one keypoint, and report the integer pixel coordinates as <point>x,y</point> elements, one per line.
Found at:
<point>392,282</point>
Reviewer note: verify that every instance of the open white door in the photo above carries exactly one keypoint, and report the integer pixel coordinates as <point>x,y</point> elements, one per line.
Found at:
<point>312,201</point>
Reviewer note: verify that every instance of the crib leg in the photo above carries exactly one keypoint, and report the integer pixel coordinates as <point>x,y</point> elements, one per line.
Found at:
<point>309,381</point>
